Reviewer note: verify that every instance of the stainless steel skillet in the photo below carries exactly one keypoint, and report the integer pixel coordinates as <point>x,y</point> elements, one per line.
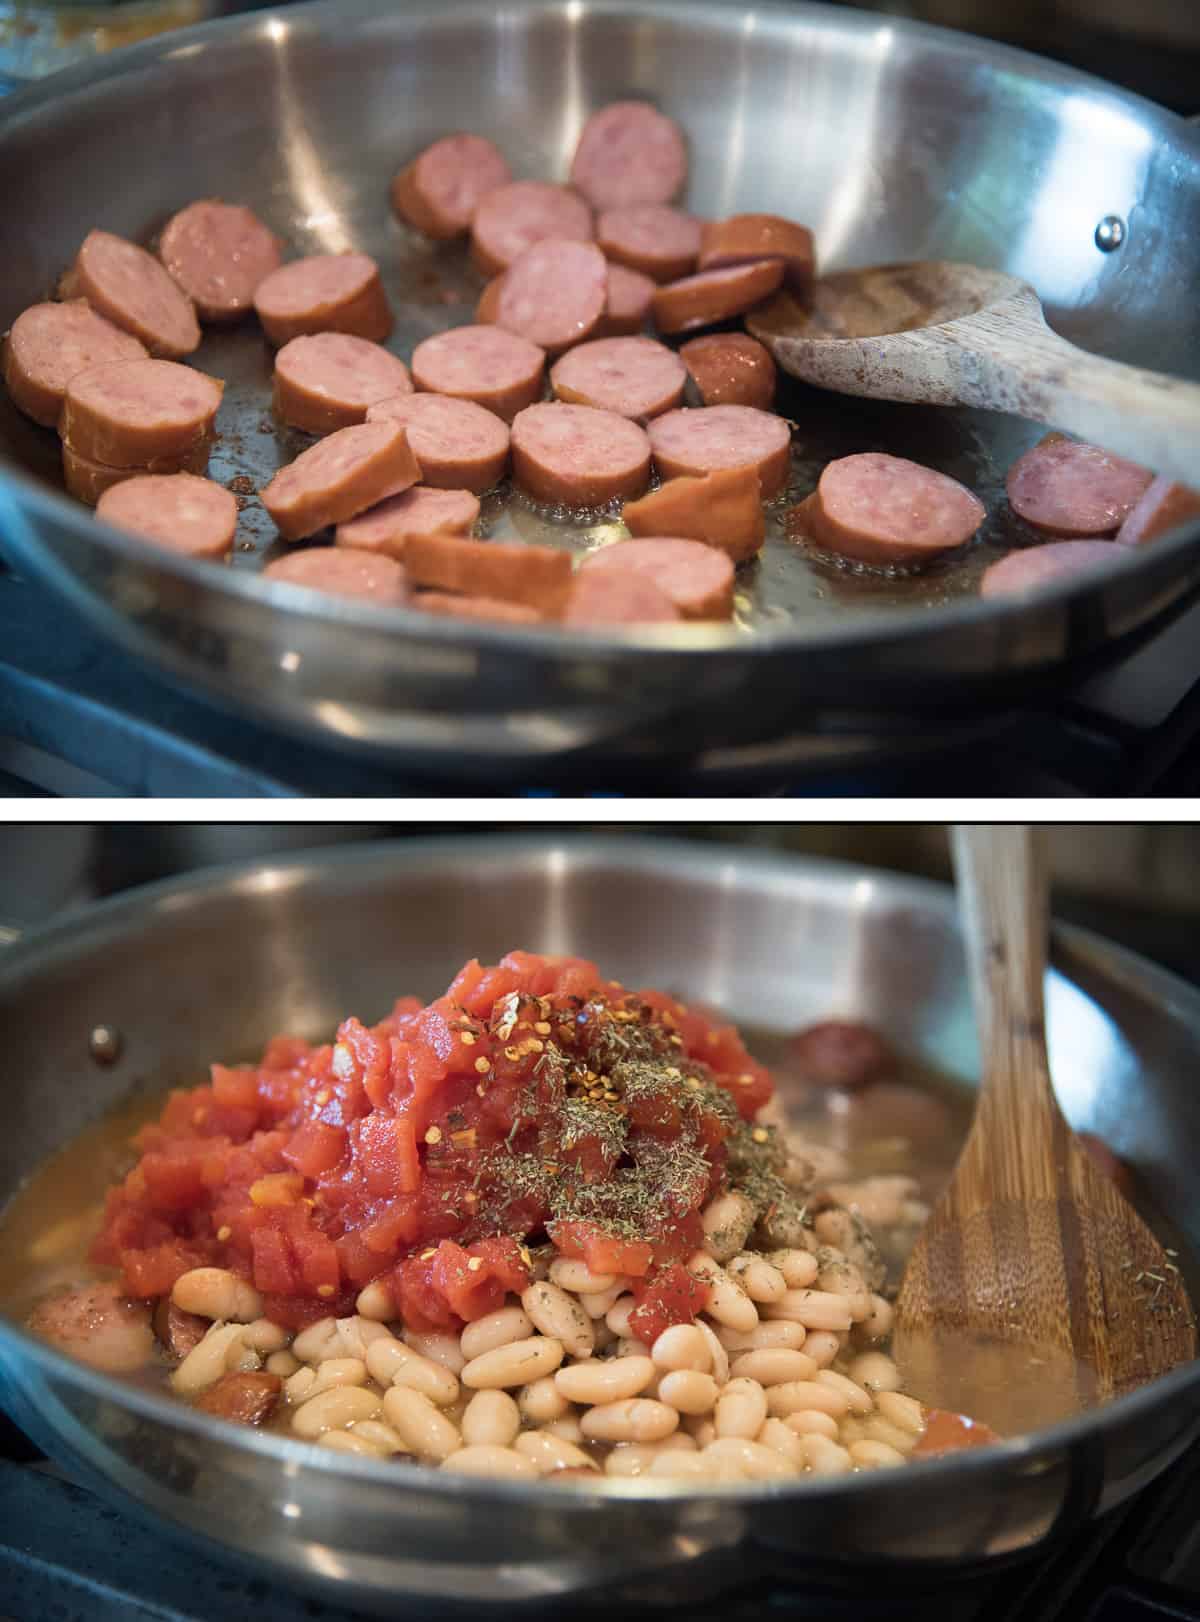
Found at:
<point>895,140</point>
<point>213,964</point>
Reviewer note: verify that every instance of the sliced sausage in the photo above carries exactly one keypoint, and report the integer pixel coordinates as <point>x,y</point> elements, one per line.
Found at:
<point>131,413</point>
<point>343,573</point>
<point>485,364</point>
<point>730,368</point>
<point>841,1053</point>
<point>195,517</point>
<point>458,445</point>
<point>129,287</point>
<point>635,377</point>
<point>579,456</point>
<point>328,379</point>
<point>605,597</point>
<point>242,1399</point>
<point>885,509</point>
<point>628,153</point>
<point>419,511</point>
<point>98,1325</point>
<point>661,242</point>
<point>339,477</point>
<point>1164,507</point>
<point>489,301</point>
<point>1038,566</point>
<point>219,253</point>
<point>512,218</point>
<point>698,579</point>
<point>554,294</point>
<point>326,292</point>
<point>178,1332</point>
<point>630,295</point>
<point>714,295</point>
<point>87,480</point>
<point>475,608</point>
<point>49,344</point>
<point>722,509</point>
<point>724,436</point>
<point>537,576</point>
<point>439,191</point>
<point>1068,488</point>
<point>745,239</point>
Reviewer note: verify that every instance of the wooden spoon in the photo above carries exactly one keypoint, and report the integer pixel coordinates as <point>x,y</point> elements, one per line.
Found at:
<point>948,334</point>
<point>1035,1290</point>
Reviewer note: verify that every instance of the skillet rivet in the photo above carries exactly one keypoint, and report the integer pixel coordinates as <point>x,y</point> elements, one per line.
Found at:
<point>104,1044</point>
<point>1110,233</point>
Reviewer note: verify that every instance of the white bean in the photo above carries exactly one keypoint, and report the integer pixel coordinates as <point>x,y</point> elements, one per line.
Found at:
<point>799,1267</point>
<point>815,1309</point>
<point>773,1366</point>
<point>717,1352</point>
<point>334,1371</point>
<point>633,1459</point>
<point>826,1458</point>
<point>335,1410</point>
<point>350,1442</point>
<point>604,1335</point>
<point>628,1347</point>
<point>549,1453</point>
<point>755,1460</point>
<point>878,1429</point>
<point>207,1360</point>
<point>857,1400</point>
<point>844,1280</point>
<point>379,1435</point>
<point>498,1463</point>
<point>491,1419</point>
<point>541,1401</point>
<point>318,1341</point>
<point>727,1223</point>
<point>576,1277</point>
<point>688,1391</point>
<point>375,1302</point>
<point>263,1336</point>
<point>682,1346</point>
<point>422,1427</point>
<point>617,1316</point>
<point>391,1362</point>
<point>560,1316</point>
<point>875,1455</point>
<point>635,1419</point>
<point>215,1292</point>
<point>782,1333</point>
<point>239,1358</point>
<point>904,1412</point>
<point>741,1409</point>
<point>777,1436</point>
<point>516,1362</point>
<point>877,1325</point>
<point>494,1329</point>
<point>299,1385</point>
<point>282,1363</point>
<point>876,1372</point>
<point>437,1347</point>
<point>823,1346</point>
<point>356,1334</point>
<point>674,1464</point>
<point>812,1422</point>
<point>759,1279</point>
<point>728,1303</point>
<point>567,1429</point>
<point>596,1305</point>
<point>701,1430</point>
<point>610,1380</point>
<point>787,1399</point>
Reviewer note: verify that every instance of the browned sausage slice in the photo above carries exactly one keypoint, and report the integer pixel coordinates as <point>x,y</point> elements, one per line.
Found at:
<point>747,238</point>
<point>419,511</point>
<point>1164,507</point>
<point>98,1325</point>
<point>714,295</point>
<point>179,511</point>
<point>841,1053</point>
<point>327,292</point>
<point>578,456</point>
<point>554,294</point>
<point>661,242</point>
<point>458,445</point>
<point>439,191</point>
<point>512,218</point>
<point>131,289</point>
<point>630,295</point>
<point>484,364</point>
<point>87,480</point>
<point>327,380</point>
<point>725,436</point>
<point>49,344</point>
<point>887,510</point>
<point>722,509</point>
<point>218,253</point>
<point>1066,487</point>
<point>537,576</point>
<point>607,597</point>
<point>629,152</point>
<point>697,578</point>
<point>343,573</point>
<point>242,1399</point>
<point>448,606</point>
<point>1037,566</point>
<point>635,377</point>
<point>178,1332</point>
<point>489,302</point>
<point>729,368</point>
<point>339,477</point>
<point>131,413</point>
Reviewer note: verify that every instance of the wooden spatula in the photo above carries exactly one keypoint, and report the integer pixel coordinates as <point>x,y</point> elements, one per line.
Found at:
<point>949,334</point>
<point>1035,1290</point>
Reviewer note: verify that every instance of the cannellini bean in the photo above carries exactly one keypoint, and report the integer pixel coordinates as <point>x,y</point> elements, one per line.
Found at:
<point>516,1362</point>
<point>728,1303</point>
<point>604,1335</point>
<point>904,1412</point>
<point>567,1429</point>
<point>349,1442</point>
<point>778,1332</point>
<point>755,1460</point>
<point>780,1439</point>
<point>617,1316</point>
<point>857,1400</point>
<point>826,1458</point>
<point>717,1352</point>
<point>334,1371</point>
<point>335,1410</point>
<point>627,1346</point>
<point>633,1459</point>
<point>786,1399</point>
<point>215,1292</point>
<point>812,1422</point>
<point>877,1325</point>
<point>759,1279</point>
<point>300,1385</point>
<point>208,1359</point>
<point>560,1316</point>
<point>682,1464</point>
<point>318,1341</point>
<point>875,1455</point>
<point>598,1304</point>
<point>682,1346</point>
<point>823,1346</point>
<point>773,1366</point>
<point>727,1223</point>
<point>815,1309</point>
<point>421,1426</point>
<point>494,1329</point>
<point>844,1280</point>
<point>491,1419</point>
<point>541,1401</point>
<point>875,1371</point>
<point>282,1363</point>
<point>379,1435</point>
<point>263,1336</point>
<point>500,1463</point>
<point>741,1409</point>
<point>240,1358</point>
<point>375,1302</point>
<point>356,1334</point>
<point>701,1429</point>
<point>878,1429</point>
<point>688,1391</point>
<point>549,1453</point>
<point>799,1267</point>
<point>438,1348</point>
<point>635,1419</point>
<point>576,1276</point>
<point>610,1380</point>
<point>391,1362</point>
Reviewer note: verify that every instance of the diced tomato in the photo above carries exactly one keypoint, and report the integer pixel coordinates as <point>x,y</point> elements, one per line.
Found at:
<point>274,1270</point>
<point>235,1089</point>
<point>603,1252</point>
<point>386,1155</point>
<point>669,1296</point>
<point>315,1147</point>
<point>153,1272</point>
